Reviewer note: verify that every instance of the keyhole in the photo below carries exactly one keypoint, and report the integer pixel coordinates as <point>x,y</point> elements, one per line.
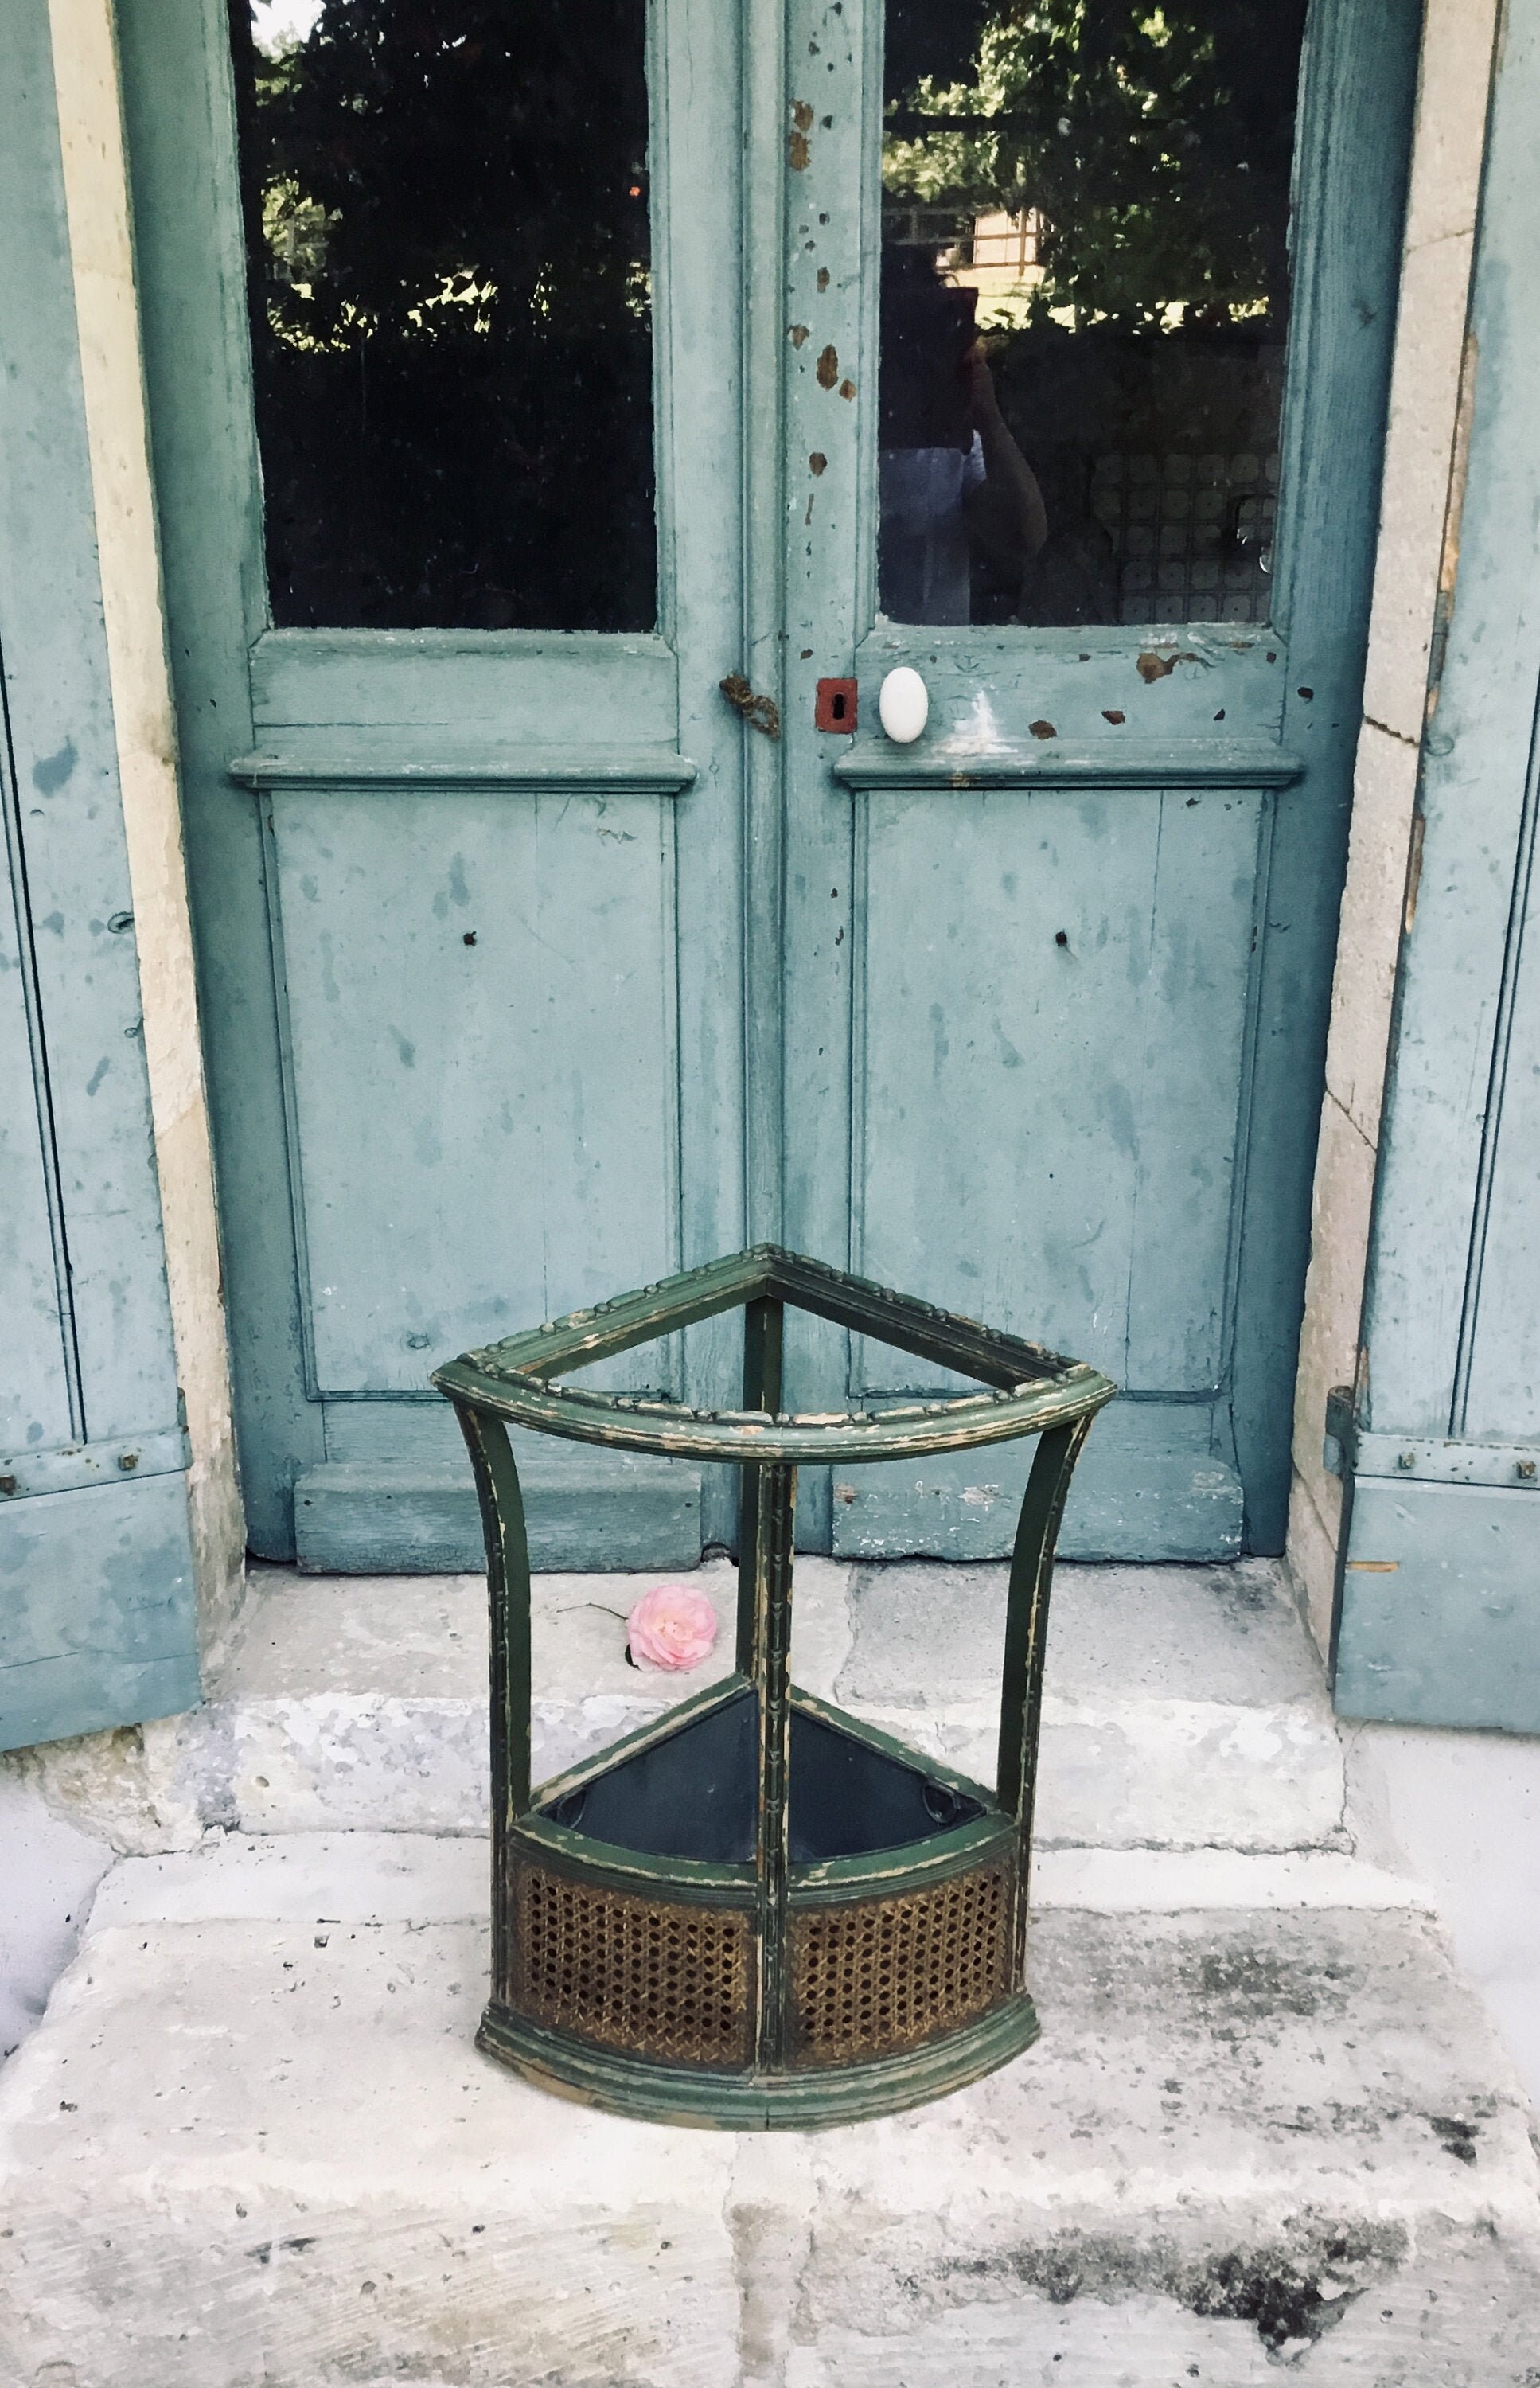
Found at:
<point>837,706</point>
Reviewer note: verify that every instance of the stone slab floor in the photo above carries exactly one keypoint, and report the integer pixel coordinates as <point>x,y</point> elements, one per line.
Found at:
<point>1268,2127</point>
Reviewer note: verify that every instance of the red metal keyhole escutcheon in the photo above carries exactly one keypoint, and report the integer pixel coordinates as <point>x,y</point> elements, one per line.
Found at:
<point>834,707</point>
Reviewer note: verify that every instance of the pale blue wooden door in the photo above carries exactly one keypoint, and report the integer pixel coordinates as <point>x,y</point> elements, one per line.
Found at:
<point>1026,1018</point>
<point>1057,973</point>
<point>1439,1618</point>
<point>468,896</point>
<point>96,1611</point>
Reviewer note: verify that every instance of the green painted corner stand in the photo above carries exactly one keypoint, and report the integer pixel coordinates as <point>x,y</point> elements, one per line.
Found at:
<point>757,1912</point>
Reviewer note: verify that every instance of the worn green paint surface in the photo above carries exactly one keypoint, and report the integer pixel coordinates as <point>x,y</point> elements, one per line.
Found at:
<point>96,1619</point>
<point>726,986</point>
<point>775,2083</point>
<point>1436,1613</point>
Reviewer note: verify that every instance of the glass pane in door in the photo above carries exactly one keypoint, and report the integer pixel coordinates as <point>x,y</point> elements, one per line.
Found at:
<point>449,285</point>
<point>1085,290</point>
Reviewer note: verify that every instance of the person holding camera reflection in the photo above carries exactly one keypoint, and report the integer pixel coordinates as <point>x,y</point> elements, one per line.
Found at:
<point>954,487</point>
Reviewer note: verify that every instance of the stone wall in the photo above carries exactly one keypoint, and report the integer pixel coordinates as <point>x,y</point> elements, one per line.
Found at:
<point>1418,545</point>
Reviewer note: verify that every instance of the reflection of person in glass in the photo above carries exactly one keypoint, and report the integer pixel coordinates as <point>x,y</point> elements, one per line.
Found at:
<point>953,484</point>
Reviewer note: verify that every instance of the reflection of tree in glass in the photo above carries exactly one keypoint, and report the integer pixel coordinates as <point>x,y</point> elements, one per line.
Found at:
<point>1140,158</point>
<point>1155,144</point>
<point>447,233</point>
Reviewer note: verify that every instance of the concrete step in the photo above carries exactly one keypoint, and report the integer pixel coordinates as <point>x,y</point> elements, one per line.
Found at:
<point>1183,1706</point>
<point>252,2146</point>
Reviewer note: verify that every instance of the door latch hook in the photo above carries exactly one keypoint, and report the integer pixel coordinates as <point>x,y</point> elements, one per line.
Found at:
<point>760,712</point>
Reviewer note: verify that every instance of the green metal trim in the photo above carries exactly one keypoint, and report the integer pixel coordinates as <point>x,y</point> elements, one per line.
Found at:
<point>771,1636</point>
<point>858,1437</point>
<point>1033,1388</point>
<point>1092,766</point>
<point>915,1865</point>
<point>764,1332</point>
<point>645,1737</point>
<point>796,2102</point>
<point>508,1593</point>
<point>582,1858</point>
<point>889,1745</point>
<point>1026,1643</point>
<point>768,1271</point>
<point>879,1873</point>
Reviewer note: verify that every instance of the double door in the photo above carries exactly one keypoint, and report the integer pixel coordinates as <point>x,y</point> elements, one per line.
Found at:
<point>519,378</point>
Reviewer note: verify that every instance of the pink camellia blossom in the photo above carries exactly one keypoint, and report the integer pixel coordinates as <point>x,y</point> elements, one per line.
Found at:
<point>671,1627</point>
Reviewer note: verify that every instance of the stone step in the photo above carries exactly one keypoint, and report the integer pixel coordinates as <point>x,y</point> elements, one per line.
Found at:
<point>252,2145</point>
<point>1183,1706</point>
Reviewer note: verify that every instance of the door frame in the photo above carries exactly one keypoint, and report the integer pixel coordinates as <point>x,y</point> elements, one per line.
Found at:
<point>1352,162</point>
<point>1438,1561</point>
<point>761,1104</point>
<point>264,710</point>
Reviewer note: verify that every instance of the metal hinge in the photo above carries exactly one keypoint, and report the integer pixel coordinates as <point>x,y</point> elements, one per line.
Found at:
<point>1339,1448</point>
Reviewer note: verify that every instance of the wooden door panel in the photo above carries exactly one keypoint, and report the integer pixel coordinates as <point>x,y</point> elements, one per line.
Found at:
<point>1209,894</point>
<point>1047,1129</point>
<point>821,917</point>
<point>595,689</point>
<point>546,1143</point>
<point>34,1391</point>
<point>97,1626</point>
<point>483,1059</point>
<point>1107,1142</point>
<point>1502,1397</point>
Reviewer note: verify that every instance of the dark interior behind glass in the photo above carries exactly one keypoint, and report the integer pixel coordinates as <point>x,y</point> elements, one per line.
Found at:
<point>1085,293</point>
<point>450,280</point>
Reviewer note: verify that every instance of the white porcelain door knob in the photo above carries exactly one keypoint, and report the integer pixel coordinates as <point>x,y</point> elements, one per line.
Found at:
<point>903,705</point>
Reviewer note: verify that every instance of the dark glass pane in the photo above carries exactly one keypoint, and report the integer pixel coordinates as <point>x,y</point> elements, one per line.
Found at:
<point>450,291</point>
<point>1085,290</point>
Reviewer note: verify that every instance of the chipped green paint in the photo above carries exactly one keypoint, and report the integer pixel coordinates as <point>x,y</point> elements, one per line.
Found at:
<point>1032,1391</point>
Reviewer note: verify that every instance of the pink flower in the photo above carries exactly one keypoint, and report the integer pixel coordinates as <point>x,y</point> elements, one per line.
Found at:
<point>671,1627</point>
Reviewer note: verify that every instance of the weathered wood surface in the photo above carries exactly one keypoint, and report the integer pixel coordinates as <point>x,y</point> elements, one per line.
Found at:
<point>570,801</point>
<point>320,763</point>
<point>727,1028</point>
<point>604,688</point>
<point>1436,1620</point>
<point>420,1518</point>
<point>1134,1174</point>
<point>1440,1620</point>
<point>97,1613</point>
<point>1157,1481</point>
<point>447,1173</point>
<point>97,1610</point>
<point>1093,763</point>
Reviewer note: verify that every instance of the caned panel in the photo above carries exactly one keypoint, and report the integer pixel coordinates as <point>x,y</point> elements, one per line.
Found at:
<point>873,1979</point>
<point>651,1977</point>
